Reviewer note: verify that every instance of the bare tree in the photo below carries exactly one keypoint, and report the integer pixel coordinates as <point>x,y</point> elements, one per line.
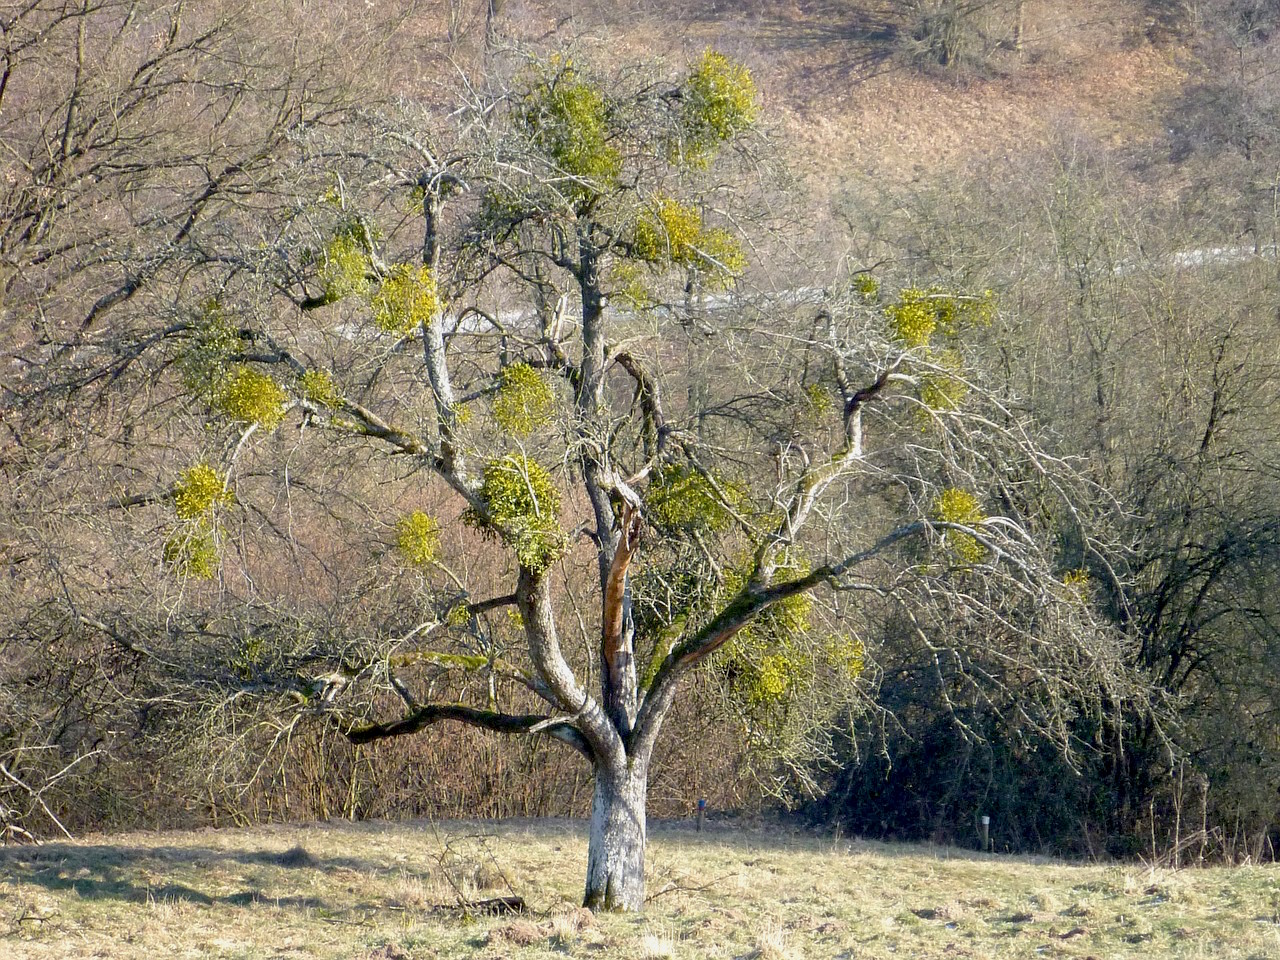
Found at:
<point>532,321</point>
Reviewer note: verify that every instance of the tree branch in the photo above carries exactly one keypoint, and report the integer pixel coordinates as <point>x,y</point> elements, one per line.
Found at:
<point>549,663</point>
<point>371,425</point>
<point>35,795</point>
<point>557,728</point>
<point>649,393</point>
<point>740,611</point>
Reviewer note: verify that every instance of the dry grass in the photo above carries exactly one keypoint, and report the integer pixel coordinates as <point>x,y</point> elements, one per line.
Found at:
<point>391,892</point>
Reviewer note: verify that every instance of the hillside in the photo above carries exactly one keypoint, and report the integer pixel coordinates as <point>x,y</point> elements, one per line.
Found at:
<point>841,85</point>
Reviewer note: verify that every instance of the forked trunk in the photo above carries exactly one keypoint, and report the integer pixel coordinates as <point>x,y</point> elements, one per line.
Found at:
<point>615,853</point>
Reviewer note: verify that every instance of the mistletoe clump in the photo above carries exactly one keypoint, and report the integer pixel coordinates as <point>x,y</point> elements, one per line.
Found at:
<point>418,538</point>
<point>788,619</point>
<point>407,299</point>
<point>916,318</point>
<point>521,507</point>
<point>524,400</point>
<point>672,233</point>
<point>668,233</point>
<point>719,105</point>
<point>238,391</point>
<point>867,287</point>
<point>944,389</point>
<point>766,661</point>
<point>246,395</point>
<point>318,388</point>
<point>198,491</point>
<point>719,250</point>
<point>920,313</point>
<point>214,340</point>
<point>569,119</point>
<point>630,286</point>
<point>773,678</point>
<point>459,615</point>
<point>847,655</point>
<point>763,675</point>
<point>680,498</point>
<point>816,403</point>
<point>1076,584</point>
<point>192,551</point>
<point>345,268</point>
<point>961,507</point>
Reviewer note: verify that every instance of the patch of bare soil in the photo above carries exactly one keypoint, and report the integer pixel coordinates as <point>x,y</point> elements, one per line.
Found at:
<point>901,125</point>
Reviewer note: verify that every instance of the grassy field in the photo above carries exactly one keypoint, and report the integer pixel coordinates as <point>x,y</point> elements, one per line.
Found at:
<point>386,891</point>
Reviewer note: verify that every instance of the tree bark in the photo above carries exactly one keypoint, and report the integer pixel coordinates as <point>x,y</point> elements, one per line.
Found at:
<point>615,851</point>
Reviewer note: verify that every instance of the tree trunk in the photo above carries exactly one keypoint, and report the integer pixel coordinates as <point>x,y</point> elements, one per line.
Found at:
<point>615,854</point>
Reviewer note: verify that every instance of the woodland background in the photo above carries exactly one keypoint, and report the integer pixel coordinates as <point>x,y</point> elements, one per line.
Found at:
<point>1110,169</point>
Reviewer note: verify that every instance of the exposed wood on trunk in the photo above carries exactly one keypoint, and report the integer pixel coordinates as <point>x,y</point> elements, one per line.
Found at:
<point>617,653</point>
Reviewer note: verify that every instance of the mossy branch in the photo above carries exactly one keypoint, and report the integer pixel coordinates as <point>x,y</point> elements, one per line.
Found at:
<point>738,612</point>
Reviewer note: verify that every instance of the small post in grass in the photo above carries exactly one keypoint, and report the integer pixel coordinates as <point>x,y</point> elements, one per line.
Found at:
<point>986,832</point>
<point>702,812</point>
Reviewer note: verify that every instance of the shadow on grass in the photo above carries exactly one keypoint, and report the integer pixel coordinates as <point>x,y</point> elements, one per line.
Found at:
<point>111,872</point>
<point>867,41</point>
<point>857,43</point>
